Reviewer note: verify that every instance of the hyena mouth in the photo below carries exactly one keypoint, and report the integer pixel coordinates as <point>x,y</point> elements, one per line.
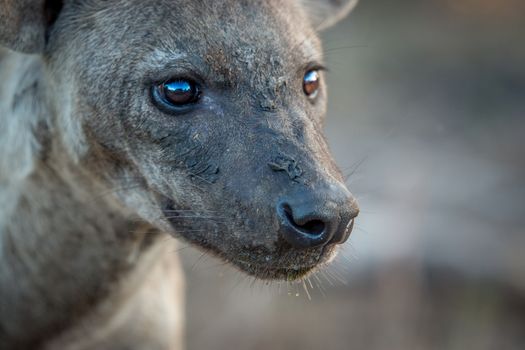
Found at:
<point>277,273</point>
<point>287,268</point>
<point>284,263</point>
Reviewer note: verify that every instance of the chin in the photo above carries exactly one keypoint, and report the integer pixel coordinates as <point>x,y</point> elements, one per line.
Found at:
<point>297,267</point>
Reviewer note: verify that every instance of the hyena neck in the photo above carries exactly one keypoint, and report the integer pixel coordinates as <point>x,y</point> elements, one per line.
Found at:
<point>61,254</point>
<point>62,248</point>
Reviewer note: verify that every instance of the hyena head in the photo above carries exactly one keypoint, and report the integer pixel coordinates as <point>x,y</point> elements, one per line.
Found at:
<point>208,115</point>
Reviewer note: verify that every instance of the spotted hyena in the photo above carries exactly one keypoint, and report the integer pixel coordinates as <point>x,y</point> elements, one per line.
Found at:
<point>124,120</point>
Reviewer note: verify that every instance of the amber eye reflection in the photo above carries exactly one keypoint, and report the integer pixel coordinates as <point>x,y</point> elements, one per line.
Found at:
<point>311,83</point>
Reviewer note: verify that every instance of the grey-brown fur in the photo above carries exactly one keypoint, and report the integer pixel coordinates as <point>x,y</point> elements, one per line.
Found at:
<point>91,174</point>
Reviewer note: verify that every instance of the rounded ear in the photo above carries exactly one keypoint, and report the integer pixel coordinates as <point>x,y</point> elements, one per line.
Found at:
<point>325,13</point>
<point>23,23</point>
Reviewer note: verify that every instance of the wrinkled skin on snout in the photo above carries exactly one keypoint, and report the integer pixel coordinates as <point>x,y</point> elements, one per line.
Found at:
<point>240,171</point>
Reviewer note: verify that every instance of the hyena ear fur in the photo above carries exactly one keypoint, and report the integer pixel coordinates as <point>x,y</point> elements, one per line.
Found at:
<point>24,23</point>
<point>326,13</point>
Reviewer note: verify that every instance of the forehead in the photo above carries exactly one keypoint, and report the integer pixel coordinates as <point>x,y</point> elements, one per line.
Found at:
<point>246,31</point>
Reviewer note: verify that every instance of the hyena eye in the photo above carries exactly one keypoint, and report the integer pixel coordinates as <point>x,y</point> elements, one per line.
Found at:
<point>178,93</point>
<point>311,83</point>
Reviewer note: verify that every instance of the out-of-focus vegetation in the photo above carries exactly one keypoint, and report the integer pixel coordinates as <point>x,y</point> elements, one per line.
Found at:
<point>427,118</point>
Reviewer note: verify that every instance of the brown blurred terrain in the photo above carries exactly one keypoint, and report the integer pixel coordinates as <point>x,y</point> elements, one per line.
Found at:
<point>427,118</point>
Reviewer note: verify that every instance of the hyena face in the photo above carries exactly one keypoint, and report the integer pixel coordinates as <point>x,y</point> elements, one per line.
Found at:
<point>208,115</point>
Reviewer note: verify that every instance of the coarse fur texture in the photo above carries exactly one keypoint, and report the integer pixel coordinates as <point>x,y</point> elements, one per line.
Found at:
<point>93,174</point>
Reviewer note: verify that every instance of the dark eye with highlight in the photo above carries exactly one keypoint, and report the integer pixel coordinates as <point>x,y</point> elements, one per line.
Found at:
<point>177,94</point>
<point>311,83</point>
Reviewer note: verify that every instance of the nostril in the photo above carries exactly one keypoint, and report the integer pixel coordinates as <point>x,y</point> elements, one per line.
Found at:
<point>302,227</point>
<point>311,227</point>
<point>314,227</point>
<point>311,218</point>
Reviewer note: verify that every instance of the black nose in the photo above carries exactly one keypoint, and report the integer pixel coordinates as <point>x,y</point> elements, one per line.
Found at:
<point>312,218</point>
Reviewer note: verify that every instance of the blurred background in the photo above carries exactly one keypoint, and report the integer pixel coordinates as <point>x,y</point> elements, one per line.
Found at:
<point>427,119</point>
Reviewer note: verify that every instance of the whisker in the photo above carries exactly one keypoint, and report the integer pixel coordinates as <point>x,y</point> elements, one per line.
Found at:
<point>360,228</point>
<point>196,261</point>
<point>200,178</point>
<point>306,290</point>
<point>326,277</point>
<point>341,48</point>
<point>310,282</point>
<point>319,284</point>
<point>240,278</point>
<point>190,231</point>
<point>355,167</point>
<point>189,211</point>
<point>195,217</point>
<point>222,264</point>
<point>180,249</point>
<point>336,276</point>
